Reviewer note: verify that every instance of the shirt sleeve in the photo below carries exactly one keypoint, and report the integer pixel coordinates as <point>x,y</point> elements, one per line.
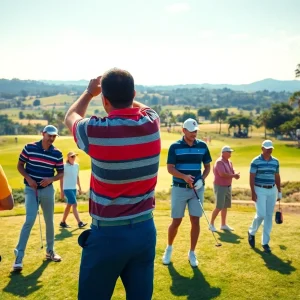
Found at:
<point>253,167</point>
<point>152,114</point>
<point>206,157</point>
<point>79,132</point>
<point>24,156</point>
<point>171,156</point>
<point>60,164</point>
<point>5,189</point>
<point>277,168</point>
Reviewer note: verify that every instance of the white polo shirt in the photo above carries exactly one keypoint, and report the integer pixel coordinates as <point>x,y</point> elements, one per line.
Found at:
<point>70,176</point>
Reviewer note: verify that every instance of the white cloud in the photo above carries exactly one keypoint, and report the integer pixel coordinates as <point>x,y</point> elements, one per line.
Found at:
<point>178,7</point>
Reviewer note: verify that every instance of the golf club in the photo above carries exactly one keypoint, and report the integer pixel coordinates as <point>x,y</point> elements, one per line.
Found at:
<point>217,243</point>
<point>38,211</point>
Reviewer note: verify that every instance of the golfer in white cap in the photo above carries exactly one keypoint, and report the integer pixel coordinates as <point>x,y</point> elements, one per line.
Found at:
<point>223,175</point>
<point>265,189</point>
<point>185,159</point>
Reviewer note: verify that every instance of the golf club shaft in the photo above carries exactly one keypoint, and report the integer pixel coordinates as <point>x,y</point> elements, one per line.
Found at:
<point>38,211</point>
<point>205,214</point>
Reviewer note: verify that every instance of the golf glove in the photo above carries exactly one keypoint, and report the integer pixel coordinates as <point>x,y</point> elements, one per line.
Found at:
<point>199,184</point>
<point>279,195</point>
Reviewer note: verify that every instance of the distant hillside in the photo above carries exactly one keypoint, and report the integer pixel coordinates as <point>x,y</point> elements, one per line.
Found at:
<point>265,84</point>
<point>17,87</point>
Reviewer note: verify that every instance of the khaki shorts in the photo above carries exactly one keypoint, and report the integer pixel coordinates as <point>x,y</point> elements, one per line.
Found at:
<point>223,196</point>
<point>182,197</point>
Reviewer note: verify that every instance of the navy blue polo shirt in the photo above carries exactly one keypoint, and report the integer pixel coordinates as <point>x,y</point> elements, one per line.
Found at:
<point>188,159</point>
<point>40,163</point>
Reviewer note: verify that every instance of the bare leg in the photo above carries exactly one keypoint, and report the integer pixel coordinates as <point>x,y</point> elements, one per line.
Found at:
<point>66,212</point>
<point>173,229</point>
<point>195,231</point>
<point>75,212</point>
<point>223,216</point>
<point>214,215</point>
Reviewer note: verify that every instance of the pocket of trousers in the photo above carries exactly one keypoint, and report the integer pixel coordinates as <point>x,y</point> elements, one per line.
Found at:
<point>83,238</point>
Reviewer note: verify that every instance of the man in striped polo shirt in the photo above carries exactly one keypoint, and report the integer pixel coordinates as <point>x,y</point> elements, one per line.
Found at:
<point>185,159</point>
<point>37,163</point>
<point>124,148</point>
<point>265,189</point>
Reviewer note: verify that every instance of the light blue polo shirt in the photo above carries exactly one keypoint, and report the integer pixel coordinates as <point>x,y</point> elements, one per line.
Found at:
<point>265,170</point>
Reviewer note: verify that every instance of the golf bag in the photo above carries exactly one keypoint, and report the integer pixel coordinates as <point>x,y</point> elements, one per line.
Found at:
<point>278,215</point>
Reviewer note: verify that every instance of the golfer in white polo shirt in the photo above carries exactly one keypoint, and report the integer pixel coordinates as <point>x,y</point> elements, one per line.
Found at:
<point>68,189</point>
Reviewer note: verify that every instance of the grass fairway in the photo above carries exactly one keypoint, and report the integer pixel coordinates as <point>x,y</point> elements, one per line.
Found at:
<point>233,271</point>
<point>245,151</point>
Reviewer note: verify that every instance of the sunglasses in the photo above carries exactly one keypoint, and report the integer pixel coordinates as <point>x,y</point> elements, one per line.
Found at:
<point>72,156</point>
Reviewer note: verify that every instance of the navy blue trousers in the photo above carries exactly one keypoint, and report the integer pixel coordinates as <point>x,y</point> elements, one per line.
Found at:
<point>111,252</point>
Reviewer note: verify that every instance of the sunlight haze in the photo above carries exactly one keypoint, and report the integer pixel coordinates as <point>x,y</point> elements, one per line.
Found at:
<point>160,42</point>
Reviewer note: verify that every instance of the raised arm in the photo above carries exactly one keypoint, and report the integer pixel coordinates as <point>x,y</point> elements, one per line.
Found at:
<point>78,109</point>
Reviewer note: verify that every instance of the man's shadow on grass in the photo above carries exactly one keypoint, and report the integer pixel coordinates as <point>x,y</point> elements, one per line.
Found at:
<point>275,263</point>
<point>229,237</point>
<point>64,234</point>
<point>194,288</point>
<point>23,286</point>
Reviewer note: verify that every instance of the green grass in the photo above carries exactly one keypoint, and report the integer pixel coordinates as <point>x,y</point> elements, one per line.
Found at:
<point>245,151</point>
<point>233,271</point>
<point>57,100</point>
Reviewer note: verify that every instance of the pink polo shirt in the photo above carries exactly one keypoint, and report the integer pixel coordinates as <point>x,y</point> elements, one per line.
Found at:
<point>223,166</point>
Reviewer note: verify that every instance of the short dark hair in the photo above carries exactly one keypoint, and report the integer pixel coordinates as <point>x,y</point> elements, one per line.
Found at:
<point>118,87</point>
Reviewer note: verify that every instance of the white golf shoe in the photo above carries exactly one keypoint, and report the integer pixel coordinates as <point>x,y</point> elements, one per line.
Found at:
<point>193,259</point>
<point>212,228</point>
<point>226,227</point>
<point>18,265</point>
<point>166,259</point>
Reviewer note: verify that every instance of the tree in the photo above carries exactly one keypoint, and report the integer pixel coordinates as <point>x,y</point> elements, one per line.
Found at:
<point>262,121</point>
<point>187,115</point>
<point>220,116</point>
<point>36,102</point>
<point>24,93</point>
<point>295,98</point>
<point>29,117</point>
<point>240,121</point>
<point>21,115</point>
<point>204,111</point>
<point>290,127</point>
<point>278,115</point>
<point>297,71</point>
<point>47,115</point>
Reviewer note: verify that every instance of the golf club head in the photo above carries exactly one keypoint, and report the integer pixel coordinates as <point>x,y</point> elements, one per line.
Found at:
<point>17,270</point>
<point>218,245</point>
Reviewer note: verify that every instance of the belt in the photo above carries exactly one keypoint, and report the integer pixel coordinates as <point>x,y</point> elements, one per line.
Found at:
<point>265,186</point>
<point>182,185</point>
<point>142,218</point>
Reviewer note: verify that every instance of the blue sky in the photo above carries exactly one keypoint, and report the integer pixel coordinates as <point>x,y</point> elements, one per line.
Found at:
<point>159,41</point>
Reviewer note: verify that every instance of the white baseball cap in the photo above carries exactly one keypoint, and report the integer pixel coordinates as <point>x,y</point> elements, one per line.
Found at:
<point>267,144</point>
<point>190,124</point>
<point>227,149</point>
<point>50,129</point>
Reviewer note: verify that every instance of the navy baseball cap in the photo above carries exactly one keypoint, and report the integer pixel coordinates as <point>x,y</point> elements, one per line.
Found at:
<point>50,129</point>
